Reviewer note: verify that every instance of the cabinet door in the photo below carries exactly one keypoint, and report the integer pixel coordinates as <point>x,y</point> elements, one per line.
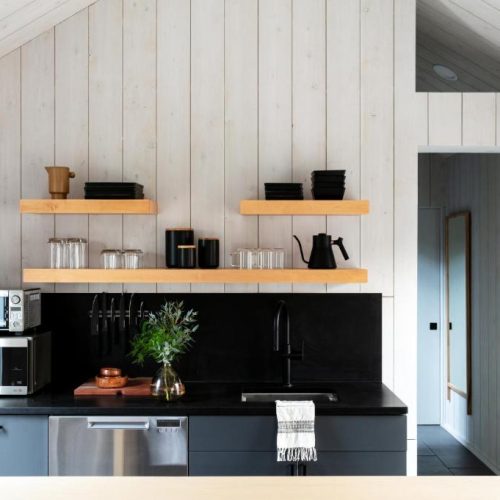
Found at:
<point>23,445</point>
<point>237,463</point>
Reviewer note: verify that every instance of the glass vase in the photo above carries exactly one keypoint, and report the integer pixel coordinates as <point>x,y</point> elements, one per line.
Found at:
<point>167,385</point>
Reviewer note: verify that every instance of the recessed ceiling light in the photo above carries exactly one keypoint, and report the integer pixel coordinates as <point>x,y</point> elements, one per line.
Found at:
<point>445,73</point>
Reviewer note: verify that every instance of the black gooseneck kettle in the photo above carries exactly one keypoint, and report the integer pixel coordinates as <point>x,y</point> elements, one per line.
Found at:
<point>322,253</point>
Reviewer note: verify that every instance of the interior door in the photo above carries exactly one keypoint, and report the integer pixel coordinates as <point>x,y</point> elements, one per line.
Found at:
<point>429,316</point>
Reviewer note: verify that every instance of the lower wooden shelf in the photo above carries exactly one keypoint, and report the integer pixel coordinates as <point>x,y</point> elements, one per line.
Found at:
<point>195,275</point>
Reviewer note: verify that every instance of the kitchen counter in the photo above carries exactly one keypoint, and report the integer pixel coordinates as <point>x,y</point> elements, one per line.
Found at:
<point>356,398</point>
<point>243,488</point>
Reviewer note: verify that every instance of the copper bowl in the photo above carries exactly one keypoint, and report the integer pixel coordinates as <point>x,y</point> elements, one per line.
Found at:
<point>110,372</point>
<point>111,382</point>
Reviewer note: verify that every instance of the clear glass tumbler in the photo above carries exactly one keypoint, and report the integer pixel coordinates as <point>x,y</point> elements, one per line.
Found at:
<point>278,258</point>
<point>132,259</point>
<point>266,258</point>
<point>112,258</point>
<point>56,247</point>
<point>77,252</point>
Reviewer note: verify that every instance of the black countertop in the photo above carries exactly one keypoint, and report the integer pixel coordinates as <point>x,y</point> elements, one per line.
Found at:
<point>355,398</point>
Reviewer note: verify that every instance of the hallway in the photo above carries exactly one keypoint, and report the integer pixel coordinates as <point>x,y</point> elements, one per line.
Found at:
<point>440,454</point>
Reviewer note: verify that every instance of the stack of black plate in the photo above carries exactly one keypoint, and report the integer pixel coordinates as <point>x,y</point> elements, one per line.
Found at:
<point>328,184</point>
<point>113,191</point>
<point>284,191</point>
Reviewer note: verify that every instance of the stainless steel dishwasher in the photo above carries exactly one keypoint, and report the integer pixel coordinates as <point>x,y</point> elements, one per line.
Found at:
<point>118,446</point>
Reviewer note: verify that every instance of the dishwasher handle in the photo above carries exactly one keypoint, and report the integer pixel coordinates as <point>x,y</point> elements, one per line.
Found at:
<point>118,423</point>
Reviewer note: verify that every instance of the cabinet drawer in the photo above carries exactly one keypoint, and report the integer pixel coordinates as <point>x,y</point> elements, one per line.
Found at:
<point>237,463</point>
<point>262,463</point>
<point>335,433</point>
<point>23,445</point>
<point>358,463</point>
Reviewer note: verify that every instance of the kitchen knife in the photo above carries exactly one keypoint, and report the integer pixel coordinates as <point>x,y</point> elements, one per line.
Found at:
<point>112,334</point>
<point>103,337</point>
<point>132,319</point>
<point>121,321</point>
<point>94,325</point>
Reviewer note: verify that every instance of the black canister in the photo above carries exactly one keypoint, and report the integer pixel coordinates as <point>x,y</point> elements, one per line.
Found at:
<point>173,238</point>
<point>186,256</point>
<point>208,253</point>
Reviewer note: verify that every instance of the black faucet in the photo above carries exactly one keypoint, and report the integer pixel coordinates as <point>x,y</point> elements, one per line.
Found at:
<point>287,354</point>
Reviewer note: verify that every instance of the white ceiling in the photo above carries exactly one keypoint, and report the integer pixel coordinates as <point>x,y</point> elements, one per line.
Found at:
<point>23,20</point>
<point>463,35</point>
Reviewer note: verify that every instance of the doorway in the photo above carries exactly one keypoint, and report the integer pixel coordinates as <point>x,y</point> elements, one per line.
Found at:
<point>458,379</point>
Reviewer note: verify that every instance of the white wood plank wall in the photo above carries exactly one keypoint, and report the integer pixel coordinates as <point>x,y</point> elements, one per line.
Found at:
<point>203,101</point>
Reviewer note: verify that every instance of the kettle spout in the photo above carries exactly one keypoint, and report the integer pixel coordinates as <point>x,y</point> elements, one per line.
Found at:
<point>301,252</point>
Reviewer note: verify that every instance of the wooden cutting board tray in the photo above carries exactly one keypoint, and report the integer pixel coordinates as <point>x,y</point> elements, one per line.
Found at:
<point>140,386</point>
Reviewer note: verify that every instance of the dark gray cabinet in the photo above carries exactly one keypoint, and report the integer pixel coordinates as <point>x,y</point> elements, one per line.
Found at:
<point>346,445</point>
<point>23,445</point>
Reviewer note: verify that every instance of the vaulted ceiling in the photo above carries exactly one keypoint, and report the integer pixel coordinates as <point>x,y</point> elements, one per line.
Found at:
<point>23,20</point>
<point>463,35</point>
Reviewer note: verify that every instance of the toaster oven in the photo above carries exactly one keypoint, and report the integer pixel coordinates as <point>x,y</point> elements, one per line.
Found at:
<point>20,310</point>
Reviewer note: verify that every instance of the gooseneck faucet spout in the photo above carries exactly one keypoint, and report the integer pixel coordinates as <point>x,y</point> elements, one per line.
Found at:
<point>282,322</point>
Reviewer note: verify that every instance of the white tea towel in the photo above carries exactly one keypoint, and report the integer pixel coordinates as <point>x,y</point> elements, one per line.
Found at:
<point>296,440</point>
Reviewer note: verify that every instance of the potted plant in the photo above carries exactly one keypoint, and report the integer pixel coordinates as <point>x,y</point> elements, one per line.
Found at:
<point>163,337</point>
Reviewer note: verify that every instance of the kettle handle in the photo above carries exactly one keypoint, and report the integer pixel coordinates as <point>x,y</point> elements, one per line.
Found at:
<point>300,248</point>
<point>340,244</point>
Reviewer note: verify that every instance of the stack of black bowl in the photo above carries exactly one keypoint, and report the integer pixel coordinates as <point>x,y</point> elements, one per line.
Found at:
<point>328,184</point>
<point>284,191</point>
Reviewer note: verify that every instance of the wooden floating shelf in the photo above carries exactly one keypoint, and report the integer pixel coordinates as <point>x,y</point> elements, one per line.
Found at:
<point>304,207</point>
<point>195,275</point>
<point>103,207</point>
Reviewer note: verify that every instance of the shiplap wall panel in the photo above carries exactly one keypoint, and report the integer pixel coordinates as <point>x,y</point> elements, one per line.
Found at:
<point>37,146</point>
<point>105,123</point>
<point>241,127</point>
<point>207,124</point>
<point>377,142</point>
<point>422,118</point>
<point>445,119</point>
<point>139,123</point>
<point>275,121</point>
<point>479,115</point>
<point>174,125</point>
<point>10,175</point>
<point>34,19</point>
<point>309,116</point>
<point>324,86</point>
<point>71,120</point>
<point>405,212</point>
<point>343,126</point>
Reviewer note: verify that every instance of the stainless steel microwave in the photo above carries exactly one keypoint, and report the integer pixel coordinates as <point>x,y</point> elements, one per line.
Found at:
<point>25,363</point>
<point>20,310</point>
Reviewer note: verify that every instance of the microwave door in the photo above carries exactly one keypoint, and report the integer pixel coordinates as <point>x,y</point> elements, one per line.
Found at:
<point>4,310</point>
<point>13,369</point>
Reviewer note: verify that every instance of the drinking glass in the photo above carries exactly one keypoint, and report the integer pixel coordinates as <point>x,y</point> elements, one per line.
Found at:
<point>132,259</point>
<point>112,258</point>
<point>278,258</point>
<point>56,253</point>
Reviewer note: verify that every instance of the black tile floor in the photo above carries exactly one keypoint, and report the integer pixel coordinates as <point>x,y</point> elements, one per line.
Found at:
<point>440,454</point>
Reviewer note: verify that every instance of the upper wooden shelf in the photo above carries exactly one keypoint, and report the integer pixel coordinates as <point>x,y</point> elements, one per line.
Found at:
<point>304,207</point>
<point>73,206</point>
<point>195,275</point>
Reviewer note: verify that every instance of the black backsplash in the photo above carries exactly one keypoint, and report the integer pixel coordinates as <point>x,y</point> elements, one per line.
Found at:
<point>342,336</point>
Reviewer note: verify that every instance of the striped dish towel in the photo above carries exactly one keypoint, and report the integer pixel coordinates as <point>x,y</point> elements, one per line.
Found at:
<point>296,441</point>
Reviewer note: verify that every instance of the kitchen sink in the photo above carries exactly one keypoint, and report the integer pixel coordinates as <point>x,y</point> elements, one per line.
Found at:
<point>270,397</point>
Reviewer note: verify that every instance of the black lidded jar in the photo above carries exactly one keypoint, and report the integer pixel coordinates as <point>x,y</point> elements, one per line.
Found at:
<point>173,238</point>
<point>208,253</point>
<point>186,255</point>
